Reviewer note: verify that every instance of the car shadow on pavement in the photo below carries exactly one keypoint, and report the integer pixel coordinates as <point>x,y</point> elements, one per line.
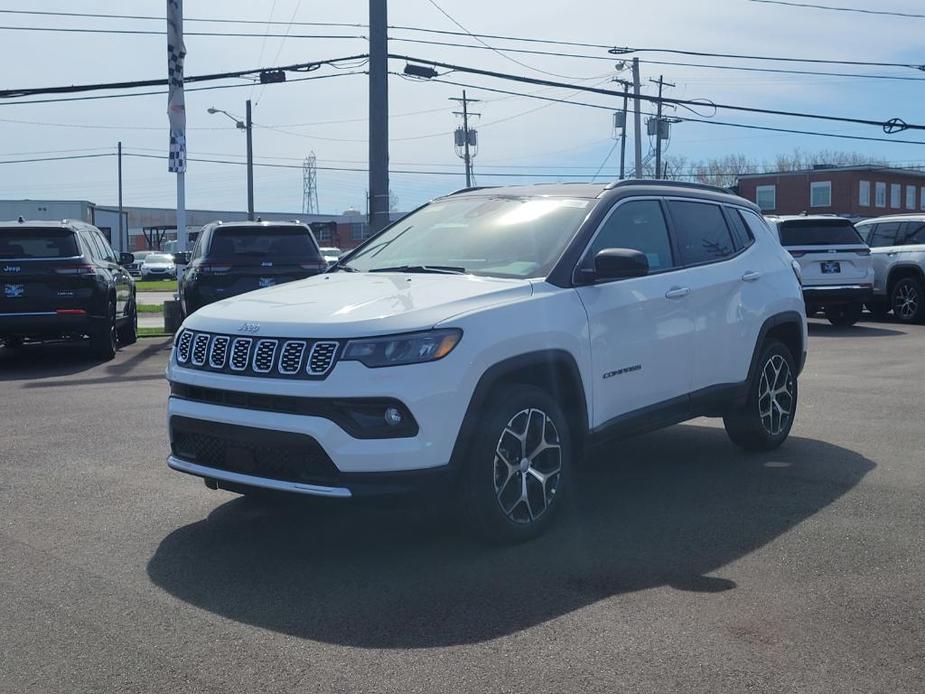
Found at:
<point>42,362</point>
<point>817,329</point>
<point>669,508</point>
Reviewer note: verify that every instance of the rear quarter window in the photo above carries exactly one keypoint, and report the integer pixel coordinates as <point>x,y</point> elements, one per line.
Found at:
<point>816,232</point>
<point>37,243</point>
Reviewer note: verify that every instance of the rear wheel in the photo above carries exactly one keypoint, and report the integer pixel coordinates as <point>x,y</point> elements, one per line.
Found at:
<point>908,300</point>
<point>764,422</point>
<point>104,338</point>
<point>843,315</point>
<point>518,467</point>
<point>128,332</point>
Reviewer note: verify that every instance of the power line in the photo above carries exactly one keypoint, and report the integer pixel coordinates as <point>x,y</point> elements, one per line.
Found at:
<point>101,15</point>
<point>887,13</point>
<point>152,32</point>
<point>893,125</point>
<point>786,59</point>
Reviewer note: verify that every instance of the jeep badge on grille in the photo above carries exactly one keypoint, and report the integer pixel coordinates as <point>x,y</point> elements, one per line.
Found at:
<point>249,328</point>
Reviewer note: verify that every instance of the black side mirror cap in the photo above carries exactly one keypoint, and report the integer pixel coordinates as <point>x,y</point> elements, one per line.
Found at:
<point>126,259</point>
<point>620,263</point>
<point>181,258</point>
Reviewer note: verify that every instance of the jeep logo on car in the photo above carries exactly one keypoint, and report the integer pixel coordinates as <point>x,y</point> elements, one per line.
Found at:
<point>249,328</point>
<point>12,268</point>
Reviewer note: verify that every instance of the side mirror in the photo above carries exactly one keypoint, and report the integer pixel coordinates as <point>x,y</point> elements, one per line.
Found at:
<point>126,259</point>
<point>181,258</point>
<point>620,263</point>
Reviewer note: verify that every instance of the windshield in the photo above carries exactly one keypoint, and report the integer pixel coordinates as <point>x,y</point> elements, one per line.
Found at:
<point>263,241</point>
<point>818,232</point>
<point>158,258</point>
<point>495,236</point>
<point>37,243</point>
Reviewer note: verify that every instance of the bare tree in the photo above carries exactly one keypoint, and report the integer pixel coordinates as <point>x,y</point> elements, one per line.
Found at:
<point>798,160</point>
<point>723,171</point>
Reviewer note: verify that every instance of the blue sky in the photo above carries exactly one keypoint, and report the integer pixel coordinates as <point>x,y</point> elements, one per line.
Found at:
<point>516,134</point>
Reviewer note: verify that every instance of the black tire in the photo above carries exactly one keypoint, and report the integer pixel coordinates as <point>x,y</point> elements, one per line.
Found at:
<point>878,309</point>
<point>908,300</point>
<point>128,331</point>
<point>750,427</point>
<point>488,481</point>
<point>843,315</point>
<point>104,337</point>
<point>12,342</point>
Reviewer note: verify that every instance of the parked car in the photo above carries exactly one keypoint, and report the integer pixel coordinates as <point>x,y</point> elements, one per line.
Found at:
<point>897,245</point>
<point>236,257</point>
<point>135,267</point>
<point>330,254</point>
<point>835,264</point>
<point>158,266</point>
<point>62,279</point>
<point>480,344</point>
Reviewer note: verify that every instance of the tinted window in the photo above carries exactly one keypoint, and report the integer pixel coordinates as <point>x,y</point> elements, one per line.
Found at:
<point>913,233</point>
<point>702,232</point>
<point>292,242</point>
<point>495,235</point>
<point>865,231</point>
<point>37,243</point>
<point>818,232</point>
<point>758,225</point>
<point>740,232</point>
<point>640,226</point>
<point>885,235</point>
<point>104,247</point>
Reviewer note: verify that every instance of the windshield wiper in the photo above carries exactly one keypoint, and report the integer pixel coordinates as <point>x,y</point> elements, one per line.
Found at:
<point>434,269</point>
<point>340,266</point>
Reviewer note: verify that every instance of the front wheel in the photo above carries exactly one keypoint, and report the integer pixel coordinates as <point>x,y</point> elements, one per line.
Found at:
<point>843,315</point>
<point>517,470</point>
<point>908,300</point>
<point>764,422</point>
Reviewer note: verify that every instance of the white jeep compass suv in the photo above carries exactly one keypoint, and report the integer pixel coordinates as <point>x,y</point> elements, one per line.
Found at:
<point>480,344</point>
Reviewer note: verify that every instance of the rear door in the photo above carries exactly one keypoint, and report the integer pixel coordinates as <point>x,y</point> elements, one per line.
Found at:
<point>38,270</point>
<point>829,251</point>
<point>884,240</point>
<point>242,259</point>
<point>116,274</point>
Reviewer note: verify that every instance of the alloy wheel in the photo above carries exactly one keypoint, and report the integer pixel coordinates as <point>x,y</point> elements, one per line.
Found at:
<point>775,395</point>
<point>906,301</point>
<point>528,466</point>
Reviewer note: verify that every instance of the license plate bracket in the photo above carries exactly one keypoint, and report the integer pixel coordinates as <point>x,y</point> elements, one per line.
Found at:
<point>831,267</point>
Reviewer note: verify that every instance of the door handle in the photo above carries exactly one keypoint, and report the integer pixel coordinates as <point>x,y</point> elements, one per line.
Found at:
<point>751,276</point>
<point>677,292</point>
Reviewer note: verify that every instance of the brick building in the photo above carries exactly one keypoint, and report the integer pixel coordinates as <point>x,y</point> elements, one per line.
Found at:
<point>850,191</point>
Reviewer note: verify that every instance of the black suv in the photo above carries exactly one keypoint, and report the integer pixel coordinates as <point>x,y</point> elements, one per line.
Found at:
<point>237,257</point>
<point>62,279</point>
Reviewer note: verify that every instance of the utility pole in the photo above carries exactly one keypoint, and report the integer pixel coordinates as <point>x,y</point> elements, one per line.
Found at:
<point>659,126</point>
<point>123,245</point>
<point>637,119</point>
<point>249,127</point>
<point>626,86</point>
<point>465,138</point>
<point>378,116</point>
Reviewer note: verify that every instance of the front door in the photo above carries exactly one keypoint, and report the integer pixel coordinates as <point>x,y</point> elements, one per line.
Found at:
<point>640,328</point>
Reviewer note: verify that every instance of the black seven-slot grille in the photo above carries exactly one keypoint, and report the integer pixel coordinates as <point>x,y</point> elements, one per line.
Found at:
<point>250,356</point>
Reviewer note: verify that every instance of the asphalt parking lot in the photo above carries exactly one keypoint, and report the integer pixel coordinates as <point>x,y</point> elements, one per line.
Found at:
<point>681,565</point>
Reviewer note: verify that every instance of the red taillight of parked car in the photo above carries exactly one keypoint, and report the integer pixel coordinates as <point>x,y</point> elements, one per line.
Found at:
<point>78,269</point>
<point>71,312</point>
<point>209,269</point>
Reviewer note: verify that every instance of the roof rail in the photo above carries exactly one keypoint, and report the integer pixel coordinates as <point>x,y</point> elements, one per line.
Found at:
<point>670,184</point>
<point>467,190</point>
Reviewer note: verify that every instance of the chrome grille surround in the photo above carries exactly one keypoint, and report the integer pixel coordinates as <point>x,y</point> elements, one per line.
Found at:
<point>264,357</point>
<point>321,358</point>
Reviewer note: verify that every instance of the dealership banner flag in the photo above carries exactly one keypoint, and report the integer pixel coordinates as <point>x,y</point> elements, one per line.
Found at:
<point>176,103</point>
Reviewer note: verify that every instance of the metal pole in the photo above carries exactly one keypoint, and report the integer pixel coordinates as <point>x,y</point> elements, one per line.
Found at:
<point>658,130</point>
<point>467,158</point>
<point>637,120</point>
<point>123,242</point>
<point>249,126</point>
<point>378,116</point>
<point>623,135</point>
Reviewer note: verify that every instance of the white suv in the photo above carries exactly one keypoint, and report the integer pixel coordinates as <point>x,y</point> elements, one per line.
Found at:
<point>897,246</point>
<point>481,343</point>
<point>835,264</point>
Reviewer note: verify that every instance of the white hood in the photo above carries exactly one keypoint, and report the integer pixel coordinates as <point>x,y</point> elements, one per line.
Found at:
<point>347,305</point>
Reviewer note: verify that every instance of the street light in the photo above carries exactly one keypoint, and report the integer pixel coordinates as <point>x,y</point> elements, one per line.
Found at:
<point>247,126</point>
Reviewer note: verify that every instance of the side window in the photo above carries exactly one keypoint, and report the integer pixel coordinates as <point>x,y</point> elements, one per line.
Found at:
<point>197,248</point>
<point>884,235</point>
<point>639,225</point>
<point>865,231</point>
<point>94,245</point>
<point>913,233</point>
<point>758,225</point>
<point>701,230</point>
<point>740,233</point>
<point>108,255</point>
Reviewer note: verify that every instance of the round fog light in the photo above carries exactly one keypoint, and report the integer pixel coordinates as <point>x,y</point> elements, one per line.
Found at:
<point>393,416</point>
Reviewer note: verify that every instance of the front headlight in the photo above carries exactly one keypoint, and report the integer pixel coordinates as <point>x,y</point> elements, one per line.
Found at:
<point>397,350</point>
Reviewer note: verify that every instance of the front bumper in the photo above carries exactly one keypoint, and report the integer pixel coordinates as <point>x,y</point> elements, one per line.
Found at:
<point>837,294</point>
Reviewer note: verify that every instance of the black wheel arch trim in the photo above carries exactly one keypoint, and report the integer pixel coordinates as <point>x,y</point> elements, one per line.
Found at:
<point>892,279</point>
<point>784,318</point>
<point>551,359</point>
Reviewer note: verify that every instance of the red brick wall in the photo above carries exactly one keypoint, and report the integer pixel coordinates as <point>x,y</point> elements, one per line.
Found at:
<point>793,191</point>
